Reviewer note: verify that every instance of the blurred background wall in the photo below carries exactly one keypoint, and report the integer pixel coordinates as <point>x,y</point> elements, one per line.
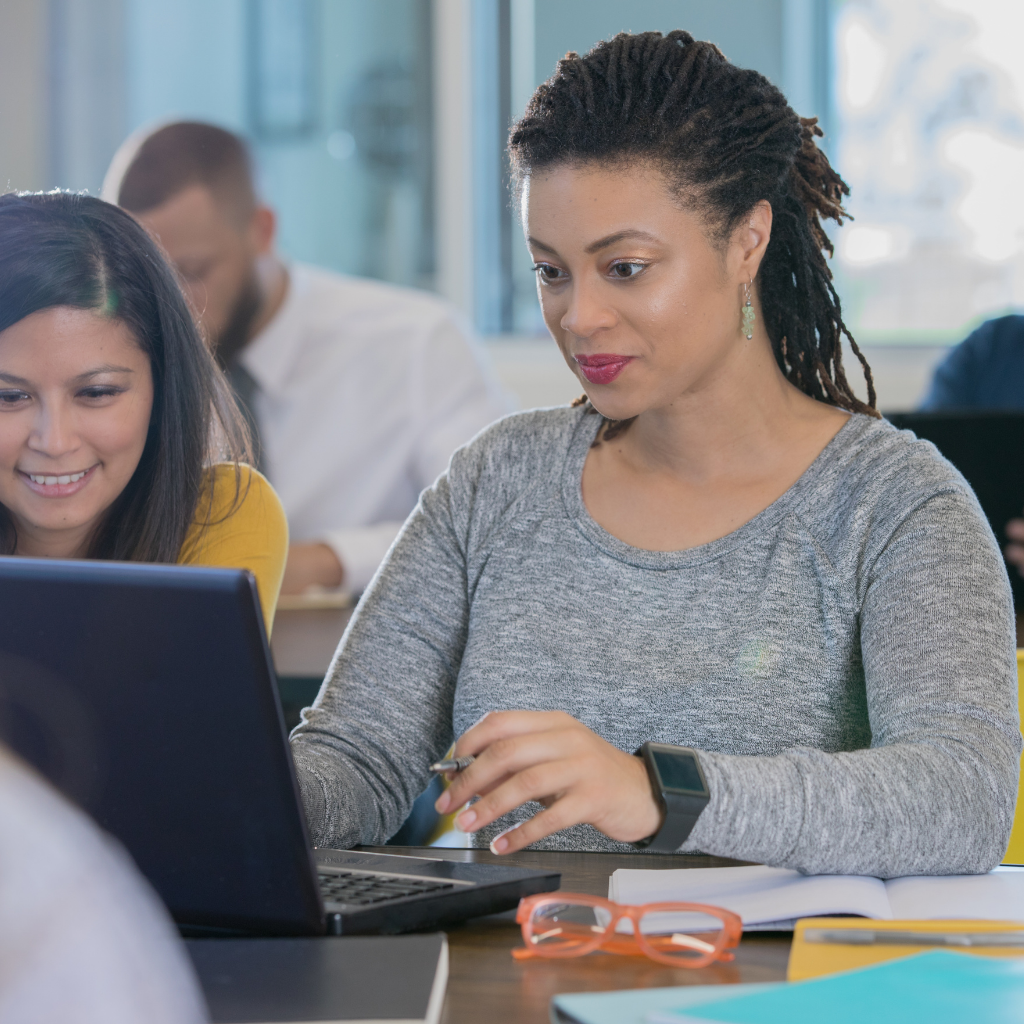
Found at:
<point>378,126</point>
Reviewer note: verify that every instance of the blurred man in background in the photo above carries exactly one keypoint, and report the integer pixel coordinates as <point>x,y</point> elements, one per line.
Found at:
<point>356,392</point>
<point>986,371</point>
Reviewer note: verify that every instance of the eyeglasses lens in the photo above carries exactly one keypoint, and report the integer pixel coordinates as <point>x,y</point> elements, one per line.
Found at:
<point>684,936</point>
<point>565,926</point>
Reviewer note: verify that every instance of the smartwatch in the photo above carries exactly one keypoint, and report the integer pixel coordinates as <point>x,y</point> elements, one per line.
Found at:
<point>679,789</point>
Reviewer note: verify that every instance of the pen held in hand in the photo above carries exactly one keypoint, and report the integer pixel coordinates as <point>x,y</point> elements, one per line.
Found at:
<point>452,764</point>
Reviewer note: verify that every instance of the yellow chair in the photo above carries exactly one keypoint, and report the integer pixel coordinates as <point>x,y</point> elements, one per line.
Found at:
<point>1015,851</point>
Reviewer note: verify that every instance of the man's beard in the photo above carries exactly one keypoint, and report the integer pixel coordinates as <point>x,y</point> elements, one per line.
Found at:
<point>238,329</point>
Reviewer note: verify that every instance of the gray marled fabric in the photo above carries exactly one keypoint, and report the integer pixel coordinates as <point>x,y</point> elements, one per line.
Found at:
<point>844,661</point>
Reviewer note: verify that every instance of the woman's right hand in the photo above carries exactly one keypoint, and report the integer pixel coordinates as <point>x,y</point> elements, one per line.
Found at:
<point>553,759</point>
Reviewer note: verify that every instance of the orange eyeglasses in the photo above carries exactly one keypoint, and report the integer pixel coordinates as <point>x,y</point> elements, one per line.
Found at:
<point>680,934</point>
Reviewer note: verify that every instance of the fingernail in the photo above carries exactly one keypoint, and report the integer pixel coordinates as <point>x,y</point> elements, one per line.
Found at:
<point>464,822</point>
<point>442,802</point>
<point>499,845</point>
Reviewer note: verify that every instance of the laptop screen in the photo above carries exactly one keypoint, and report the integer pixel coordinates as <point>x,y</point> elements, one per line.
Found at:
<point>145,693</point>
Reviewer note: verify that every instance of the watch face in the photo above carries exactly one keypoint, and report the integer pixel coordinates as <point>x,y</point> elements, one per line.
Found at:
<point>678,772</point>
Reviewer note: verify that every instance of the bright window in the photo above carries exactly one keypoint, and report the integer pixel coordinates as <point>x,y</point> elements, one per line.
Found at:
<point>929,98</point>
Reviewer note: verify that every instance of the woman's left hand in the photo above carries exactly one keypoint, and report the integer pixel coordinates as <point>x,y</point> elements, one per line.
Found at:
<point>549,757</point>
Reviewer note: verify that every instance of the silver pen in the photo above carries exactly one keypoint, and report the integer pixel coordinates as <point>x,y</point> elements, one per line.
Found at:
<point>452,764</point>
<point>880,937</point>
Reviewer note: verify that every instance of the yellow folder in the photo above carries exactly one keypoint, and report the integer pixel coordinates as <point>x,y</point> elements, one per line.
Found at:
<point>811,960</point>
<point>1015,851</point>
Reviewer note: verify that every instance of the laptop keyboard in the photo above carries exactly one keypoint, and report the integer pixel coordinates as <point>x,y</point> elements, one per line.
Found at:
<point>359,888</point>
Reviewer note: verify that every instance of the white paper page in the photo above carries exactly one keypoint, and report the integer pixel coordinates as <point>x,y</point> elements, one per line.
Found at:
<point>997,896</point>
<point>758,894</point>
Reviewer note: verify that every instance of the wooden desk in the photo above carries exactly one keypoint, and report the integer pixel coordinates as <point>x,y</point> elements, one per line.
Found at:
<point>486,984</point>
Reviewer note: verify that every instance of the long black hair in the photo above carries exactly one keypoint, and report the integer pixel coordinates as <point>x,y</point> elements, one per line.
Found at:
<point>727,139</point>
<point>65,249</point>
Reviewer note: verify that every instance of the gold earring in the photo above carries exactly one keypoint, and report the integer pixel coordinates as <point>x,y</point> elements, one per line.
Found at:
<point>747,314</point>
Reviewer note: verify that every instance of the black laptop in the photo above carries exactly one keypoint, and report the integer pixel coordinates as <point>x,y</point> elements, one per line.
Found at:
<point>988,448</point>
<point>146,694</point>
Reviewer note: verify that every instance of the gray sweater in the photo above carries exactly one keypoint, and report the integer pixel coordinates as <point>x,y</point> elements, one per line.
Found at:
<point>843,662</point>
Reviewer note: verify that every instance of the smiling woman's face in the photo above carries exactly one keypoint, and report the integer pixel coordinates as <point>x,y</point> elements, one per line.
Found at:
<point>76,394</point>
<point>643,306</point>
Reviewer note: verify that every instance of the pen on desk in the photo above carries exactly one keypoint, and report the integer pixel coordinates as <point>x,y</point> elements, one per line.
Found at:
<point>452,764</point>
<point>880,937</point>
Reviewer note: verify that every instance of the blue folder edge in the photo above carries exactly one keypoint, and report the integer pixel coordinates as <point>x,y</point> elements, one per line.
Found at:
<point>634,1006</point>
<point>940,987</point>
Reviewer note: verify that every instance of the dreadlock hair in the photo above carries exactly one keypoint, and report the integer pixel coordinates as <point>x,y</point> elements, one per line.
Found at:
<point>726,139</point>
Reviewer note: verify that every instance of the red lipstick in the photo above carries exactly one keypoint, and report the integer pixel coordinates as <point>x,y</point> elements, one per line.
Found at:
<point>602,368</point>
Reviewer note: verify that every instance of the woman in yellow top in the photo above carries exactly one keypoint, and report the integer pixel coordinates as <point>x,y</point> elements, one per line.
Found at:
<point>119,437</point>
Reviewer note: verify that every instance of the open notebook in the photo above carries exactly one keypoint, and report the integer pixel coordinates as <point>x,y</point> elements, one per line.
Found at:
<point>775,897</point>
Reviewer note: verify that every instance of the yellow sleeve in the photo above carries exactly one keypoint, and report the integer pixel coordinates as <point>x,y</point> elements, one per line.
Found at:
<point>243,526</point>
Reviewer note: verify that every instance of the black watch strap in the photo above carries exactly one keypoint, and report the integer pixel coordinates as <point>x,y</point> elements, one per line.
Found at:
<point>679,788</point>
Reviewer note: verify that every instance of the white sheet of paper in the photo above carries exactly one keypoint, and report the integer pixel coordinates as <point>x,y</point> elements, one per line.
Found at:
<point>758,894</point>
<point>761,894</point>
<point>997,896</point>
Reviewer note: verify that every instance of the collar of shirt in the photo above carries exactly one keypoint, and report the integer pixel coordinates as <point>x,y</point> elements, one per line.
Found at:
<point>271,354</point>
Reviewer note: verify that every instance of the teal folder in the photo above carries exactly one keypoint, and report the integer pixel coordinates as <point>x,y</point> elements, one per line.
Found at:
<point>938,987</point>
<point>635,1005</point>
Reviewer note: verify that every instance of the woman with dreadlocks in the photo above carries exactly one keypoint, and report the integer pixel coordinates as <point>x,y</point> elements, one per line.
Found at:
<point>720,551</point>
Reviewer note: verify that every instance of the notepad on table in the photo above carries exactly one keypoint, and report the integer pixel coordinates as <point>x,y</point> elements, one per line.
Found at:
<point>940,988</point>
<point>776,897</point>
<point>393,979</point>
<point>826,945</point>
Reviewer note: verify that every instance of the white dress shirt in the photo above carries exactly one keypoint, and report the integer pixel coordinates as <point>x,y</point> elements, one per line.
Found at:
<point>82,936</point>
<point>364,391</point>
